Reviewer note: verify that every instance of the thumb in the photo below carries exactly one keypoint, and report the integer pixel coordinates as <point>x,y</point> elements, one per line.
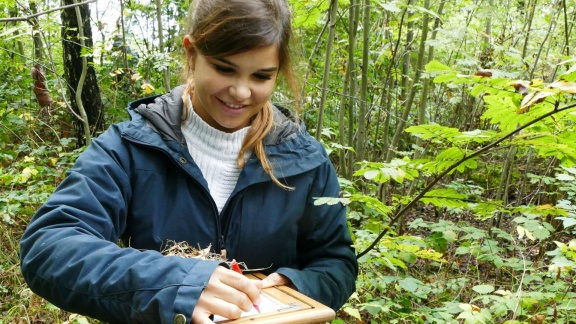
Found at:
<point>275,279</point>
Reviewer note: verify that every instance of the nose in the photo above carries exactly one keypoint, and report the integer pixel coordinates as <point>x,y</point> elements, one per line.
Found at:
<point>240,91</point>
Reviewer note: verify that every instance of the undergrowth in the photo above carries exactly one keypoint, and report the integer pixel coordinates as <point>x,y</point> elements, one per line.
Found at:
<point>438,242</point>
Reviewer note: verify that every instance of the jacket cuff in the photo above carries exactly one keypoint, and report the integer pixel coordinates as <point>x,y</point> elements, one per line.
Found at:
<point>190,290</point>
<point>294,275</point>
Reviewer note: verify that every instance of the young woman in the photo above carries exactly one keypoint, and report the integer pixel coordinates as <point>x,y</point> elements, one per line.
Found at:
<point>212,163</point>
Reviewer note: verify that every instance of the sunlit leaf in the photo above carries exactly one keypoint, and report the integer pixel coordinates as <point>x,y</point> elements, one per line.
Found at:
<point>567,222</point>
<point>148,88</point>
<point>330,201</point>
<point>435,66</point>
<point>352,312</point>
<point>483,289</point>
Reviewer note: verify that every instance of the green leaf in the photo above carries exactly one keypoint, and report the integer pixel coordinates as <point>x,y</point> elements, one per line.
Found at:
<point>483,289</point>
<point>446,198</point>
<point>565,177</point>
<point>450,236</point>
<point>390,6</point>
<point>569,75</point>
<point>352,312</point>
<point>445,78</point>
<point>410,284</point>
<point>567,222</point>
<point>330,201</point>
<point>408,257</point>
<point>435,66</point>
<point>434,131</point>
<point>424,10</point>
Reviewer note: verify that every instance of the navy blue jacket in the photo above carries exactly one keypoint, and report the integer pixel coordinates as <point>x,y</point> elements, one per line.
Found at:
<point>138,184</point>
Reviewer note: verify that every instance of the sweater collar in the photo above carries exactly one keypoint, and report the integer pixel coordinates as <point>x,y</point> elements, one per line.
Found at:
<point>211,140</point>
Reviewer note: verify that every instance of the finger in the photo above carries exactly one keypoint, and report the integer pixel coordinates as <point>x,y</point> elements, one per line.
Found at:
<point>202,320</point>
<point>225,309</point>
<point>248,287</point>
<point>233,288</point>
<point>275,279</point>
<point>201,316</point>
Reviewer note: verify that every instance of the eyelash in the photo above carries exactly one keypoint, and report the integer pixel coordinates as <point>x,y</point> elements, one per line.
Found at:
<point>227,70</point>
<point>223,69</point>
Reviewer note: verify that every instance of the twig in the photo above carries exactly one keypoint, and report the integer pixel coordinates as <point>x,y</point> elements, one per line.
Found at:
<point>519,291</point>
<point>45,12</point>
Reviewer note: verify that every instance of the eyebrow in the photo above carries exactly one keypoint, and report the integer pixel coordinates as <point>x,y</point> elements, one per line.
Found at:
<point>268,70</point>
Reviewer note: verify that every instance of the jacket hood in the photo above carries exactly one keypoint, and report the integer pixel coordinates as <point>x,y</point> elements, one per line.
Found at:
<point>163,114</point>
<point>288,146</point>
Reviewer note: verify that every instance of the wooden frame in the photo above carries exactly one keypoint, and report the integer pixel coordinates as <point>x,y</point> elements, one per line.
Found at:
<point>297,308</point>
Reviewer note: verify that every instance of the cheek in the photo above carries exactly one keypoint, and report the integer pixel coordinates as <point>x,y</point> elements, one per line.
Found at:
<point>264,92</point>
<point>209,85</point>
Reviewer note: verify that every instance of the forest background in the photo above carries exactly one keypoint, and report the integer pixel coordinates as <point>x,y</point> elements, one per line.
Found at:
<point>451,125</point>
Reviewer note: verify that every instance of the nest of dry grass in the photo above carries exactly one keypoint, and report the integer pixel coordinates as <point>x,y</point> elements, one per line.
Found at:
<point>185,250</point>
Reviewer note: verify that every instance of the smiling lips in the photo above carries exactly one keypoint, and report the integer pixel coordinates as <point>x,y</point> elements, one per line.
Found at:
<point>232,105</point>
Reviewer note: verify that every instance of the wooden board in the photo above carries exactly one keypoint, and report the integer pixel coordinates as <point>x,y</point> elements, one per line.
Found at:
<point>293,307</point>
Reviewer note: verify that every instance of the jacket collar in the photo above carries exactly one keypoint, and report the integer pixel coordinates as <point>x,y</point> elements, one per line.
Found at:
<point>288,146</point>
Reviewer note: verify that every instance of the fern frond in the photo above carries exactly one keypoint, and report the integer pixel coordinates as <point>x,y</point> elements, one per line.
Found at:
<point>446,197</point>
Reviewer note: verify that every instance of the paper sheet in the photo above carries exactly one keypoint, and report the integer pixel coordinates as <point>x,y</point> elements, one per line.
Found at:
<point>267,304</point>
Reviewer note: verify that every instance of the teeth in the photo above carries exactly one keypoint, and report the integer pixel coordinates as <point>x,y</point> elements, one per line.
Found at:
<point>233,106</point>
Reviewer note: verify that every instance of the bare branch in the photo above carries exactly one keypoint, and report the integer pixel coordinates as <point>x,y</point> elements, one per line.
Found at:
<point>45,12</point>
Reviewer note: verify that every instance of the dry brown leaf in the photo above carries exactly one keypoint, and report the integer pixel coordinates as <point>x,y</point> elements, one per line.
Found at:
<point>484,73</point>
<point>520,87</point>
<point>565,86</point>
<point>40,90</point>
<point>531,99</point>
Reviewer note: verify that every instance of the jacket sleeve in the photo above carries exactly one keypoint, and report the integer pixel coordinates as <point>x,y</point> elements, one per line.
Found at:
<point>70,257</point>
<point>328,266</point>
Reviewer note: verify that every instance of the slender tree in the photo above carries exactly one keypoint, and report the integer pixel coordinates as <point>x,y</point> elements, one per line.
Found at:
<point>331,31</point>
<point>360,140</point>
<point>346,99</point>
<point>78,71</point>
<point>401,123</point>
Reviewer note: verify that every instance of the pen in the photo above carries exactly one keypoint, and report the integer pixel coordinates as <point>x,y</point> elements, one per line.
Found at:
<point>235,267</point>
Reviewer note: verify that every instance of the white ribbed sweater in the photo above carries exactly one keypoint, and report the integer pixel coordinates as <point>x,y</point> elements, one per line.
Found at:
<point>215,152</point>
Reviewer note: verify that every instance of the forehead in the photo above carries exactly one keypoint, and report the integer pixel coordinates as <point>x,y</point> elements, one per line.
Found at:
<point>266,57</point>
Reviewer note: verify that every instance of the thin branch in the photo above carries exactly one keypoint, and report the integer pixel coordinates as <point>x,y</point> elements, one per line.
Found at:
<point>82,79</point>
<point>402,210</point>
<point>45,12</point>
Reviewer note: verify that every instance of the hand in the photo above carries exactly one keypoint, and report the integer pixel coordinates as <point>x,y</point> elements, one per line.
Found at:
<point>276,279</point>
<point>227,294</point>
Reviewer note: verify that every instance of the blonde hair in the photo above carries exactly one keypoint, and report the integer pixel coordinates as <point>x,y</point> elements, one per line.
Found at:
<point>219,28</point>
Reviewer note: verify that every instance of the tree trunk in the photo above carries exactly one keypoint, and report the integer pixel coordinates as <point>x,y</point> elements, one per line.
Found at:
<point>531,7</point>
<point>326,76</point>
<point>72,54</point>
<point>401,122</point>
<point>36,36</point>
<point>346,169</point>
<point>424,96</point>
<point>486,46</point>
<point>360,142</point>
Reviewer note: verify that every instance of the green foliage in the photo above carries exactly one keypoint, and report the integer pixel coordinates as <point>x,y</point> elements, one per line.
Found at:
<point>471,250</point>
<point>29,171</point>
<point>448,259</point>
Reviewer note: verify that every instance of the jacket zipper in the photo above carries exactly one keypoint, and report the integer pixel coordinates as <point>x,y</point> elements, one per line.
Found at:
<point>220,234</point>
<point>225,221</point>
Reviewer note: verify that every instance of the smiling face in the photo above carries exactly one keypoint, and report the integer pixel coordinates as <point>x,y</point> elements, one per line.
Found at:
<point>230,90</point>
